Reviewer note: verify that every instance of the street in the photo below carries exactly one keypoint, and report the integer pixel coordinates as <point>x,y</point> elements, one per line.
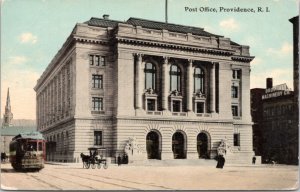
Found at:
<point>129,177</point>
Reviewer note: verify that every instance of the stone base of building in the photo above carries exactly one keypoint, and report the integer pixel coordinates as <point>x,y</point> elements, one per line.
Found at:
<point>167,155</point>
<point>242,157</point>
<point>192,155</point>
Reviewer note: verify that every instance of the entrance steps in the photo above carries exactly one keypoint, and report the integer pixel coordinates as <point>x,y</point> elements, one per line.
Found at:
<point>177,162</point>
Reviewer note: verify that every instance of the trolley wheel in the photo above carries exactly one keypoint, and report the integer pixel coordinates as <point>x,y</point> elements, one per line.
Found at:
<point>105,165</point>
<point>86,164</point>
<point>94,165</point>
<point>99,165</point>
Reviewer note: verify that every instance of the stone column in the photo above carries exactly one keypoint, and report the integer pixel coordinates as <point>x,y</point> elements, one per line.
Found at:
<point>165,84</point>
<point>189,94</point>
<point>212,88</point>
<point>138,81</point>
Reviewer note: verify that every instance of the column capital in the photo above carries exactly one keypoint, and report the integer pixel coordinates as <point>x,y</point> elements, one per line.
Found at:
<point>166,59</point>
<point>138,55</point>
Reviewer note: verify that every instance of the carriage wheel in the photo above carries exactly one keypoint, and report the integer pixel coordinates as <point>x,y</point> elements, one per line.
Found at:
<point>99,165</point>
<point>105,165</point>
<point>94,165</point>
<point>86,164</point>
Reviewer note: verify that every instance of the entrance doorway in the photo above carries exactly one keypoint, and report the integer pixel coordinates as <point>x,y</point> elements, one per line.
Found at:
<point>178,146</point>
<point>202,145</point>
<point>152,145</point>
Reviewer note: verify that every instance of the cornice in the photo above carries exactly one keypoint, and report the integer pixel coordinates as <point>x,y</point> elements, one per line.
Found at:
<point>90,40</point>
<point>175,46</point>
<point>242,58</point>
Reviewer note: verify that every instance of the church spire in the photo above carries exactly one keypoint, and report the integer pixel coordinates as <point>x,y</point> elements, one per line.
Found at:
<point>8,116</point>
<point>7,106</point>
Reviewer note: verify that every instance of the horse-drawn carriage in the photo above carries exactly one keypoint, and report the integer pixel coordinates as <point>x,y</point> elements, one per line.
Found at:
<point>95,159</point>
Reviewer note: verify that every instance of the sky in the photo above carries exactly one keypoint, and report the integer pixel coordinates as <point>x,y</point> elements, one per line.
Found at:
<point>32,32</point>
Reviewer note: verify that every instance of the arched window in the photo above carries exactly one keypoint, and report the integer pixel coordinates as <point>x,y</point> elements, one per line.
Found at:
<point>175,77</point>
<point>199,79</point>
<point>150,72</point>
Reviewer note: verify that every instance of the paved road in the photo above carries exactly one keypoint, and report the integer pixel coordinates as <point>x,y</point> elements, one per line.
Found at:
<point>128,177</point>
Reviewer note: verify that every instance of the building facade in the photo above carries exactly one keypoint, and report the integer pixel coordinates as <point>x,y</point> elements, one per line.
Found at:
<point>275,135</point>
<point>280,136</point>
<point>175,91</point>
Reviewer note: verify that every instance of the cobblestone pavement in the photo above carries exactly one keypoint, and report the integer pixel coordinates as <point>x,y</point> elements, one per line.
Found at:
<point>130,177</point>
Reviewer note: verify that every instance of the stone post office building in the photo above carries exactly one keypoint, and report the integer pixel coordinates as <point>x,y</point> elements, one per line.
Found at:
<point>176,90</point>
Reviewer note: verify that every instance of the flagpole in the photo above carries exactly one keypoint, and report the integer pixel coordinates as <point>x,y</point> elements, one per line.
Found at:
<point>166,6</point>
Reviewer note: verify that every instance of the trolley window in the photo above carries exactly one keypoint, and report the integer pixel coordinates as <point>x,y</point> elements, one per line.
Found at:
<point>32,146</point>
<point>40,146</point>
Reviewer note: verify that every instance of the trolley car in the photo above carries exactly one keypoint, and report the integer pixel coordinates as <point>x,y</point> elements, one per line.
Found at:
<point>28,151</point>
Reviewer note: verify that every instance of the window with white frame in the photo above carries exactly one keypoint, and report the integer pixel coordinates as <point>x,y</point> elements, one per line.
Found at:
<point>199,107</point>
<point>234,109</point>
<point>150,75</point>
<point>236,74</point>
<point>97,60</point>
<point>175,78</point>
<point>176,106</point>
<point>97,81</point>
<point>236,139</point>
<point>234,91</point>
<point>97,137</point>
<point>97,104</point>
<point>151,104</point>
<point>199,79</point>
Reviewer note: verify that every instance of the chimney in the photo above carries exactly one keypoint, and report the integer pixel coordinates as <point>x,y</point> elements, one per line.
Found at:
<point>269,83</point>
<point>105,16</point>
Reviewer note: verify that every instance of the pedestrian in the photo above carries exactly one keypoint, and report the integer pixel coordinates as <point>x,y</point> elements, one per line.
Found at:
<point>253,160</point>
<point>219,161</point>
<point>119,160</point>
<point>222,161</point>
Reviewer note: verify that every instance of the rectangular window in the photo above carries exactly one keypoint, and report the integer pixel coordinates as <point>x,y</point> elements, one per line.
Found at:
<point>236,139</point>
<point>236,74</point>
<point>102,61</point>
<point>91,58</point>
<point>97,60</point>
<point>97,81</point>
<point>176,106</point>
<point>97,104</point>
<point>151,104</point>
<point>235,111</point>
<point>40,146</point>
<point>199,107</point>
<point>97,137</point>
<point>234,92</point>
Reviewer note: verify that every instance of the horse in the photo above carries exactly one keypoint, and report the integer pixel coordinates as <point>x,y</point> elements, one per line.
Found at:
<point>85,158</point>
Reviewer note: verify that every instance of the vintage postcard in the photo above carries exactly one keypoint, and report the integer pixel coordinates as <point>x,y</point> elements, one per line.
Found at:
<point>149,95</point>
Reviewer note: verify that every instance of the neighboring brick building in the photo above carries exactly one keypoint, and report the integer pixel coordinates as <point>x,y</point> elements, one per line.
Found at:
<point>275,135</point>
<point>176,91</point>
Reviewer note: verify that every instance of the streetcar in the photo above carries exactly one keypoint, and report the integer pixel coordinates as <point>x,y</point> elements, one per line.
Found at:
<point>28,151</point>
